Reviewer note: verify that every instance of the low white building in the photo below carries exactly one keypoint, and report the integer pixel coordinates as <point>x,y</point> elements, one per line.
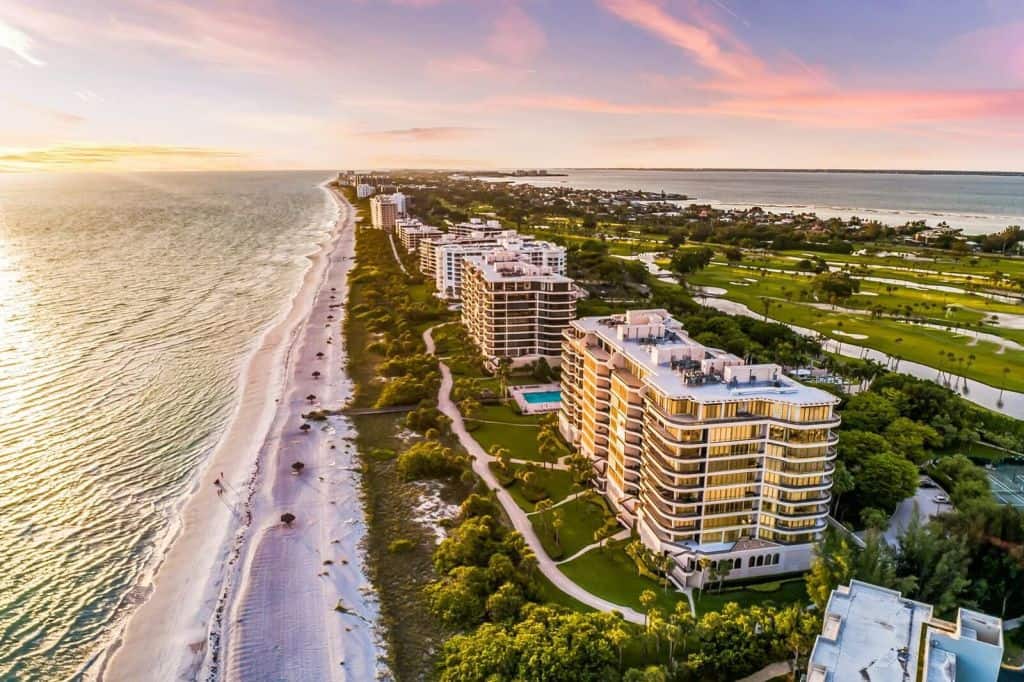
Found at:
<point>874,634</point>
<point>411,232</point>
<point>476,226</point>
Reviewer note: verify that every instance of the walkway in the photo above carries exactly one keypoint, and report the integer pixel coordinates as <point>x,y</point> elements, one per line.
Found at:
<point>621,535</point>
<point>520,522</point>
<point>391,238</point>
<point>769,672</point>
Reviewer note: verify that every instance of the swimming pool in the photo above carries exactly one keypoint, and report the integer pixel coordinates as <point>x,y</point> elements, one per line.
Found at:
<point>542,397</point>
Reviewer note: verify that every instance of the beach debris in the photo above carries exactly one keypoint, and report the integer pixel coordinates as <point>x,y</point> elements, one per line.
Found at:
<point>320,354</point>
<point>288,519</point>
<point>328,562</point>
<point>341,608</point>
<point>297,467</point>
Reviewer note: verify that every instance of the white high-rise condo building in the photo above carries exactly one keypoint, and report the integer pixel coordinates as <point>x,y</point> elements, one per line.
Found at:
<point>448,256</point>
<point>705,456</point>
<point>515,309</point>
<point>363,190</point>
<point>383,212</point>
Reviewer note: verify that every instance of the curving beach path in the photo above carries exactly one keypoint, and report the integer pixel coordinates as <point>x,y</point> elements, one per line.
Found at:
<point>520,521</point>
<point>240,595</point>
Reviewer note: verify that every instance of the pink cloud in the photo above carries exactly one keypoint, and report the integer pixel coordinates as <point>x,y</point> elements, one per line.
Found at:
<point>867,108</point>
<point>593,105</point>
<point>733,67</point>
<point>242,37</point>
<point>1000,48</point>
<point>515,37</point>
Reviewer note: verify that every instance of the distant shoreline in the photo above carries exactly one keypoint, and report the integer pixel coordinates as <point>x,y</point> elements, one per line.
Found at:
<point>863,171</point>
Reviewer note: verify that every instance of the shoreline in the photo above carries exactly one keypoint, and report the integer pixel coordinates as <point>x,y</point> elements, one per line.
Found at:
<point>175,632</point>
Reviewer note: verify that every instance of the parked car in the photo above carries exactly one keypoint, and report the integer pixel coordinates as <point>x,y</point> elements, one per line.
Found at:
<point>940,499</point>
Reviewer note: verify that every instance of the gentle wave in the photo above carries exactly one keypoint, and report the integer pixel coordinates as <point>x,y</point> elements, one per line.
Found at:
<point>129,306</point>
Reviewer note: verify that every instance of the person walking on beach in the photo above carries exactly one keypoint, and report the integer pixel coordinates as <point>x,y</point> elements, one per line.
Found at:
<point>220,486</point>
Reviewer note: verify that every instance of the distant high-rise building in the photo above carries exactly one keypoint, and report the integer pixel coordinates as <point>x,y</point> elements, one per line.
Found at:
<point>363,190</point>
<point>708,458</point>
<point>383,212</point>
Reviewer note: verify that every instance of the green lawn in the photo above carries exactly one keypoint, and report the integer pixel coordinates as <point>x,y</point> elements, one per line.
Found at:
<point>581,518</point>
<point>911,342</point>
<point>792,591</point>
<point>980,451</point>
<point>1013,647</point>
<point>554,484</point>
<point>516,432</point>
<point>611,574</point>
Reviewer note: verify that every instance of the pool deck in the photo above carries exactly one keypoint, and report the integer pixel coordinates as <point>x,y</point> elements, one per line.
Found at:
<point>518,394</point>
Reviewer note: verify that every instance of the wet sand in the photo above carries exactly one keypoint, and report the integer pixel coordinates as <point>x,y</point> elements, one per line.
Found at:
<point>239,595</point>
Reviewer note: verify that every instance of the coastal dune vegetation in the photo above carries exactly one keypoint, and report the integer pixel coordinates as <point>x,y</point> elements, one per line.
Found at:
<point>474,606</point>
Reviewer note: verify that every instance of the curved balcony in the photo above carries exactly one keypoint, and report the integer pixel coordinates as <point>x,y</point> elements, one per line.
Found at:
<point>829,455</point>
<point>825,485</point>
<point>815,512</point>
<point>653,516</point>
<point>827,469</point>
<point>690,420</point>
<point>668,509</point>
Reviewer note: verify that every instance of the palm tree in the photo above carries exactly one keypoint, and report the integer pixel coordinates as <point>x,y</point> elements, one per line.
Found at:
<point>311,398</point>
<point>999,403</point>
<point>297,467</point>
<point>316,374</point>
<point>288,519</point>
<point>305,427</point>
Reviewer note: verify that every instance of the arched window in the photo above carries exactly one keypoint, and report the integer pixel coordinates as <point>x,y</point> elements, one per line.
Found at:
<point>738,563</point>
<point>775,559</point>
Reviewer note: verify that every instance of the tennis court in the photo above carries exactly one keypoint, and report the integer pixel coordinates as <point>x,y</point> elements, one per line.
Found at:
<point>1007,483</point>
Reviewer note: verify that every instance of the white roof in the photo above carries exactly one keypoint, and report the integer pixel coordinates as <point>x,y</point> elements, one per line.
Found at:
<point>870,634</point>
<point>670,340</point>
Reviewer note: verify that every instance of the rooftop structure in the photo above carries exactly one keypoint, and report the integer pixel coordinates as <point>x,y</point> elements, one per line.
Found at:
<point>876,635</point>
<point>515,309</point>
<point>704,455</point>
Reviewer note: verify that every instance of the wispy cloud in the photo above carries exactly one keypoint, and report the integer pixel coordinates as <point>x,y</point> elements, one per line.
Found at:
<point>19,43</point>
<point>70,156</point>
<point>515,36</point>
<point>433,134</point>
<point>660,143</point>
<point>731,64</point>
<point>259,39</point>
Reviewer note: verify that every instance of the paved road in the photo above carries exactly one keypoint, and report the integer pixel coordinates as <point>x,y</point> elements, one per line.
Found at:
<point>924,499</point>
<point>518,517</point>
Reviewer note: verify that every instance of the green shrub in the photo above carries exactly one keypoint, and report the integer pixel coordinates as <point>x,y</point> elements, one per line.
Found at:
<point>401,545</point>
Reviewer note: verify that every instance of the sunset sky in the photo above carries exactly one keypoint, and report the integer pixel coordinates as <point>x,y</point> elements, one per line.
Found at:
<point>503,83</point>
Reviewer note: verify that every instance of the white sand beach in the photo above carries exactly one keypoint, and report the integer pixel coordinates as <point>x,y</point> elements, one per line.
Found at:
<point>239,595</point>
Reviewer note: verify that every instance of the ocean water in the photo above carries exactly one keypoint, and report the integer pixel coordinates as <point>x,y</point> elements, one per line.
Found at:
<point>976,203</point>
<point>128,306</point>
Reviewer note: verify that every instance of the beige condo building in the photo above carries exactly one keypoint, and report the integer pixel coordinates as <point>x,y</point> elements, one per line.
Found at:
<point>514,308</point>
<point>708,458</point>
